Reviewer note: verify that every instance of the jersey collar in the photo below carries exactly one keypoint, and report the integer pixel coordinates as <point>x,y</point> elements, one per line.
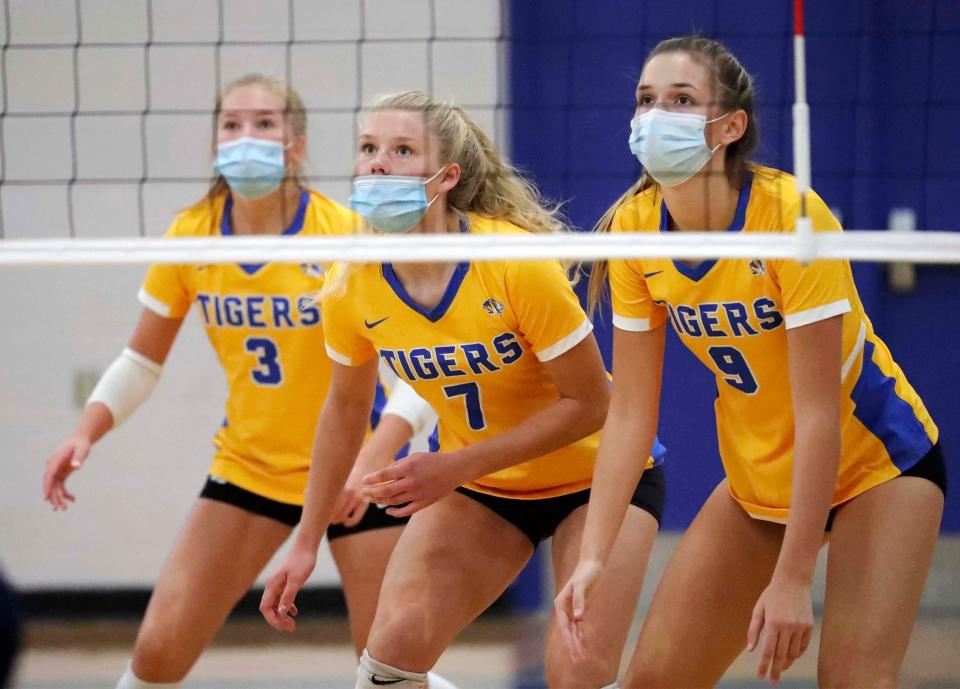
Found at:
<point>438,311</point>
<point>739,218</point>
<point>226,229</point>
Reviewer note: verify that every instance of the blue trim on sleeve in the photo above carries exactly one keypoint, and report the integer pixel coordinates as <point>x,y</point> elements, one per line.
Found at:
<point>226,229</point>
<point>888,416</point>
<point>698,271</point>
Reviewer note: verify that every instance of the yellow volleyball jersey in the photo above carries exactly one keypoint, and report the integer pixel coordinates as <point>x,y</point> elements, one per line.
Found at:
<point>476,357</point>
<point>733,314</point>
<point>266,330</point>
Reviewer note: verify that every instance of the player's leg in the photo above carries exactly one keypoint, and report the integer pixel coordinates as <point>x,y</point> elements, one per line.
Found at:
<point>451,563</point>
<point>215,559</point>
<point>614,601</point>
<point>881,546</point>
<point>697,623</point>
<point>361,554</point>
<point>607,619</point>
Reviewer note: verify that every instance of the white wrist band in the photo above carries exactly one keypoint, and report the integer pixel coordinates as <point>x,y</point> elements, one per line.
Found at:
<point>126,384</point>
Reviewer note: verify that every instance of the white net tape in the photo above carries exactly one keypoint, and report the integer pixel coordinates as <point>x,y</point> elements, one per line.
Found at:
<point>878,246</point>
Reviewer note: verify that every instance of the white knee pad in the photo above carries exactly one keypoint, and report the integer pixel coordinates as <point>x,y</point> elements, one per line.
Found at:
<point>131,681</point>
<point>372,674</point>
<point>435,681</point>
<point>611,686</point>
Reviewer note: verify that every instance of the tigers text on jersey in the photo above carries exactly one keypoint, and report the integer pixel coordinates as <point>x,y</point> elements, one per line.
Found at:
<point>265,328</point>
<point>733,314</point>
<point>475,357</point>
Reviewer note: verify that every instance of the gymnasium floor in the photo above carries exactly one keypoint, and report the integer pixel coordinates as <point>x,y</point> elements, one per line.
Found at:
<point>495,653</point>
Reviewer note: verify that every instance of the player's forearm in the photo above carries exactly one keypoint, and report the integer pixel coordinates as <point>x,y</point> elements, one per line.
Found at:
<point>405,403</point>
<point>95,422</point>
<point>339,435</point>
<point>562,423</point>
<point>815,464</point>
<point>391,434</point>
<point>625,447</point>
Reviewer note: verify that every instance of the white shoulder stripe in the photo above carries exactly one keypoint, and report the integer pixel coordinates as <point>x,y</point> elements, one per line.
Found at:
<point>154,304</point>
<point>819,313</point>
<point>567,343</point>
<point>857,348</point>
<point>338,357</point>
<point>637,325</point>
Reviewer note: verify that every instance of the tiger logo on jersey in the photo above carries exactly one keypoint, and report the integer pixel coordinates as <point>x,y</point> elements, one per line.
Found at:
<point>313,270</point>
<point>493,307</point>
<point>757,267</point>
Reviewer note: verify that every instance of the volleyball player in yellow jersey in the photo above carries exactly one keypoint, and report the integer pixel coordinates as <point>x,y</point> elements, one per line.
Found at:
<point>818,427</point>
<point>505,355</point>
<point>266,331</point>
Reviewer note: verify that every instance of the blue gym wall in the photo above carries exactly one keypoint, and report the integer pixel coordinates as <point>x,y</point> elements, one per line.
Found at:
<point>884,92</point>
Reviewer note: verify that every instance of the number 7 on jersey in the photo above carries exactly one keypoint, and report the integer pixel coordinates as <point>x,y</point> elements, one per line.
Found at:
<point>471,400</point>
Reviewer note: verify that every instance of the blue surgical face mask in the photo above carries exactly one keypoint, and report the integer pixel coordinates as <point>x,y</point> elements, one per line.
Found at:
<point>252,167</point>
<point>391,203</point>
<point>671,145</point>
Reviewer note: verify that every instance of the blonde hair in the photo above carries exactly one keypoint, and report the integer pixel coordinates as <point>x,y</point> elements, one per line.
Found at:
<point>294,115</point>
<point>734,91</point>
<point>488,186</point>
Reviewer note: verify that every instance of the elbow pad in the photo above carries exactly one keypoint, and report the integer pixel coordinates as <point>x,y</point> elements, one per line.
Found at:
<point>126,384</point>
<point>410,407</point>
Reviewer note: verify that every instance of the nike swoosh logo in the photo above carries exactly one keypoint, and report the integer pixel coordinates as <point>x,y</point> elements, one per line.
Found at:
<point>375,323</point>
<point>383,682</point>
<point>650,275</point>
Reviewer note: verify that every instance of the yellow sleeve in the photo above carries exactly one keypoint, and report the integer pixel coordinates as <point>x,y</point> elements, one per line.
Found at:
<point>345,343</point>
<point>819,290</point>
<point>548,312</point>
<point>165,290</point>
<point>633,308</point>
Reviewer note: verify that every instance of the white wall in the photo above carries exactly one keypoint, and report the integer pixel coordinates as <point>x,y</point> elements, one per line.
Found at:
<point>60,322</point>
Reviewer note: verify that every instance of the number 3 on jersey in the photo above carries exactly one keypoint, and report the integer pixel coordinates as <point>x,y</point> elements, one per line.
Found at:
<point>735,369</point>
<point>269,371</point>
<point>470,392</point>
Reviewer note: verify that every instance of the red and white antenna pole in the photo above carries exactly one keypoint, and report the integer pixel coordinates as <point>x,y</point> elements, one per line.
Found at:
<point>801,133</point>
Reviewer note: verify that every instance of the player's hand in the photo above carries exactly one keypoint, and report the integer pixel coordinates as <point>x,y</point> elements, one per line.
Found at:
<point>785,614</point>
<point>570,603</point>
<point>352,504</point>
<point>64,461</point>
<point>414,482</point>
<point>277,605</point>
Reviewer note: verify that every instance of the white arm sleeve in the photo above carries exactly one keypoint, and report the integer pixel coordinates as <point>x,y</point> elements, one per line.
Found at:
<point>410,407</point>
<point>126,384</point>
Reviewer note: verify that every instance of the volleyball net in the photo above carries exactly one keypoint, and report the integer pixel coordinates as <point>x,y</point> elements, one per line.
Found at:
<point>105,122</point>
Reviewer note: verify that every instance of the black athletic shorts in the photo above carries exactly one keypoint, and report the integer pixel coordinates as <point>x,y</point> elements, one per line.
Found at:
<point>375,517</point>
<point>224,491</point>
<point>931,467</point>
<point>538,519</point>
